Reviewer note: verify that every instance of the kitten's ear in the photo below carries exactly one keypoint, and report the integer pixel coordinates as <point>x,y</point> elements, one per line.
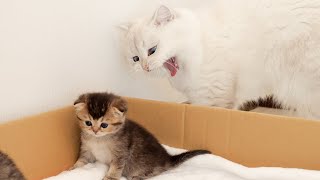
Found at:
<point>120,105</point>
<point>163,15</point>
<point>81,110</point>
<point>81,99</point>
<point>80,103</point>
<point>80,107</point>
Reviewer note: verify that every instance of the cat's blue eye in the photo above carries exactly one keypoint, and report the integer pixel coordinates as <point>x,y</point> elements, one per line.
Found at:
<point>88,123</point>
<point>152,50</point>
<point>135,59</point>
<point>104,125</point>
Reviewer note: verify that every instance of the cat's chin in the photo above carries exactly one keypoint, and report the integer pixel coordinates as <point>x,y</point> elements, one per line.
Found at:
<point>99,135</point>
<point>96,135</point>
<point>172,66</point>
<point>160,72</point>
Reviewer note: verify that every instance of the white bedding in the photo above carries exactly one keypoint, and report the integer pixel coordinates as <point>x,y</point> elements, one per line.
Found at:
<point>204,167</point>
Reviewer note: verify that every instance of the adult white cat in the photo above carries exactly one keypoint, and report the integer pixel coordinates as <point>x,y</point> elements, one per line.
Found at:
<point>235,54</point>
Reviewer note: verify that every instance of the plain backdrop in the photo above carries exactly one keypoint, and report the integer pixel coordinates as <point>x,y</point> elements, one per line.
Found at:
<point>53,50</point>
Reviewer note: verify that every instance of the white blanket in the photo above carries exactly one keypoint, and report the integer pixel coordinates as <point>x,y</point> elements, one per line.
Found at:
<point>203,167</point>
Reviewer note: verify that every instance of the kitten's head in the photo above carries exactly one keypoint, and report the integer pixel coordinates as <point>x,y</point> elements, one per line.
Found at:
<point>158,44</point>
<point>100,114</point>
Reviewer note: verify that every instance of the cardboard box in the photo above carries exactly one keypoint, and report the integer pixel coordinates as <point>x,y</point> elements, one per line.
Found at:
<point>46,144</point>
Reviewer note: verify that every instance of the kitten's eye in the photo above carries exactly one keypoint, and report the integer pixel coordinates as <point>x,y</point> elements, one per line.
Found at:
<point>88,123</point>
<point>135,59</point>
<point>152,50</point>
<point>104,125</point>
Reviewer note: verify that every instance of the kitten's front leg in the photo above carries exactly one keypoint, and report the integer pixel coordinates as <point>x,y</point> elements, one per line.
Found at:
<point>84,158</point>
<point>80,162</point>
<point>115,169</point>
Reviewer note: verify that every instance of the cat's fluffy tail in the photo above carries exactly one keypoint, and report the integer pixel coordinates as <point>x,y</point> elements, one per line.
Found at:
<point>176,160</point>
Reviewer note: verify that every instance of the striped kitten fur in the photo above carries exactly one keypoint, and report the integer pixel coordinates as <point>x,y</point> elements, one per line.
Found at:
<point>128,148</point>
<point>8,169</point>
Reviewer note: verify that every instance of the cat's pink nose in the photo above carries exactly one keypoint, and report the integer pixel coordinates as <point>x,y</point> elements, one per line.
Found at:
<point>95,130</point>
<point>146,68</point>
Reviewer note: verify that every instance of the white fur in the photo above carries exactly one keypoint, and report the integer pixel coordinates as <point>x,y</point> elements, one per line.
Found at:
<point>99,149</point>
<point>235,51</point>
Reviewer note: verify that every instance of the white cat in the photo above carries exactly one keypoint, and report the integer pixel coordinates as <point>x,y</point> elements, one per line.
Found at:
<point>235,54</point>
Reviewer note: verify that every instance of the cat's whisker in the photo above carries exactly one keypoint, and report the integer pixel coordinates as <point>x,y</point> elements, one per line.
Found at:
<point>131,71</point>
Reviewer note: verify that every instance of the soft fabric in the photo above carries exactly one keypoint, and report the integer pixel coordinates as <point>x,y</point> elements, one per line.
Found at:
<point>204,167</point>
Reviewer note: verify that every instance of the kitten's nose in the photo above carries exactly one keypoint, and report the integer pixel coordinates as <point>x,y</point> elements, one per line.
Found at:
<point>95,130</point>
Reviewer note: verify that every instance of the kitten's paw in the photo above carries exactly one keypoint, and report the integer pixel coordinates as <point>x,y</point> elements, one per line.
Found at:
<point>77,165</point>
<point>110,178</point>
<point>72,168</point>
<point>136,178</point>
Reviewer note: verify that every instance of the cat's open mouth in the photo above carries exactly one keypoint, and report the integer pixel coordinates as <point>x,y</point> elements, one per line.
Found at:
<point>172,65</point>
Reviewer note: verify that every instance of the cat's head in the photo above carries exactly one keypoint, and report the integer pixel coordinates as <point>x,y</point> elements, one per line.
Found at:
<point>100,114</point>
<point>160,44</point>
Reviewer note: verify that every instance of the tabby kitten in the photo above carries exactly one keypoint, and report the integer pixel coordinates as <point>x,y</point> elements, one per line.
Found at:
<point>8,169</point>
<point>108,137</point>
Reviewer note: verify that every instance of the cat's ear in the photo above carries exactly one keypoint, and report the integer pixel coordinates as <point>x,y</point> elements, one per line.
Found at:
<point>81,99</point>
<point>81,107</point>
<point>163,15</point>
<point>124,27</point>
<point>120,106</point>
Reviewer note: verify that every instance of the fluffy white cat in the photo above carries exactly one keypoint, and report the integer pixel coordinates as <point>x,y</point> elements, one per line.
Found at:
<point>234,54</point>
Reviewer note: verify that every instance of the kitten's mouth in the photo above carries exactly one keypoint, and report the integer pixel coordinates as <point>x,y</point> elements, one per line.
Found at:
<point>172,65</point>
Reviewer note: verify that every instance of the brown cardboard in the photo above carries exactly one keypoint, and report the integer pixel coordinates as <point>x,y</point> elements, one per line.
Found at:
<point>42,145</point>
<point>47,144</point>
<point>164,120</point>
